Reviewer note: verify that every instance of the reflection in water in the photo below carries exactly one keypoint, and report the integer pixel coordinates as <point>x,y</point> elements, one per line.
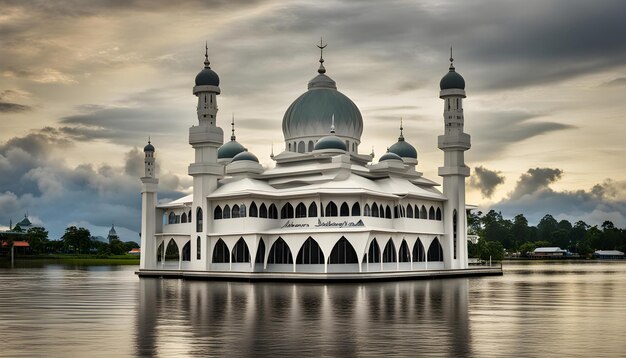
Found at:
<point>264,319</point>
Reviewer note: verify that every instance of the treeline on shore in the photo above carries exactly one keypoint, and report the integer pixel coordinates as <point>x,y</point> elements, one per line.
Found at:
<point>500,237</point>
<point>75,240</point>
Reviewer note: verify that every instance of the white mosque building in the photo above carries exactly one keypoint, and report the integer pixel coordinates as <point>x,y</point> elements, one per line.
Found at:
<point>324,211</point>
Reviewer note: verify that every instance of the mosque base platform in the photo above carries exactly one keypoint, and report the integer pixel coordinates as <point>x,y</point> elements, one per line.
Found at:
<point>321,277</point>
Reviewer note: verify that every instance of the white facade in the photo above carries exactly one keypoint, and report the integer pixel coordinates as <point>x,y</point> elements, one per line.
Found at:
<point>322,209</point>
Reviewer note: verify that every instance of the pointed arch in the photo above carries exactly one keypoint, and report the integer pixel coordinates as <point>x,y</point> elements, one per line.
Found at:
<point>409,211</point>
<point>310,253</point>
<point>387,212</point>
<point>301,210</point>
<point>311,145</point>
<point>331,209</point>
<point>242,210</point>
<point>280,253</point>
<point>263,211</point>
<point>273,212</point>
<point>423,213</point>
<point>171,218</point>
<point>186,252</point>
<point>217,213</point>
<point>198,248</point>
<point>344,210</point>
<point>159,253</point>
<point>404,255</point>
<point>375,210</point>
<point>221,253</point>
<point>286,212</point>
<point>226,212</point>
<point>438,214</point>
<point>416,211</point>
<point>389,253</point>
<point>343,253</point>
<point>189,216</point>
<point>356,209</point>
<point>366,210</point>
<point>260,253</point>
<point>171,251</point>
<point>235,212</point>
<point>199,220</point>
<point>435,251</point>
<point>381,211</point>
<point>313,210</point>
<point>418,251</point>
<point>301,147</point>
<point>431,213</point>
<point>253,212</point>
<point>183,218</point>
<point>373,253</point>
<point>240,252</point>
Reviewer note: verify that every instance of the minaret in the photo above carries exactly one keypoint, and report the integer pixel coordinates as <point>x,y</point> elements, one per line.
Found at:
<point>205,138</point>
<point>454,142</point>
<point>149,186</point>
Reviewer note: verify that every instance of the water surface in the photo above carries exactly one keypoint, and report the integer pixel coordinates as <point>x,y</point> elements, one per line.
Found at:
<point>534,310</point>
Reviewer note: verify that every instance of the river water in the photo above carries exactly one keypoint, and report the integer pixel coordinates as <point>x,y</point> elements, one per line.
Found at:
<point>534,310</point>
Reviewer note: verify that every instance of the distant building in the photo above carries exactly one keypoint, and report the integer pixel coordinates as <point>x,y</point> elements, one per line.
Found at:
<point>548,253</point>
<point>112,235</point>
<point>609,255</point>
<point>135,251</point>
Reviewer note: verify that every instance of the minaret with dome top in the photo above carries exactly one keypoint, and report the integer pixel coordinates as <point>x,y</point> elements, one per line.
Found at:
<point>454,142</point>
<point>149,187</point>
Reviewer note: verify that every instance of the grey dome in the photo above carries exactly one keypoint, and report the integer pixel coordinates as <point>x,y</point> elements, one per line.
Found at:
<point>148,148</point>
<point>207,77</point>
<point>389,156</point>
<point>452,80</point>
<point>330,142</point>
<point>310,114</point>
<point>403,149</point>
<point>245,156</point>
<point>230,150</point>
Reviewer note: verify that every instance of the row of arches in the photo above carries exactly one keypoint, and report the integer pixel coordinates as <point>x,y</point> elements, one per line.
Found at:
<point>174,218</point>
<point>330,210</point>
<point>305,147</point>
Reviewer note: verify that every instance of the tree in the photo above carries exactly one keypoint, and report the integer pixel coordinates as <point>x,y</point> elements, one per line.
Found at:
<point>38,239</point>
<point>76,239</point>
<point>519,230</point>
<point>546,227</point>
<point>526,248</point>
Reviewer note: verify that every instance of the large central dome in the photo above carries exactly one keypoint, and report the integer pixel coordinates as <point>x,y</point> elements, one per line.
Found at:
<point>309,116</point>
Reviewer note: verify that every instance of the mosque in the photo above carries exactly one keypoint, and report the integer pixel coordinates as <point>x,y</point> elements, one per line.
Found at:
<point>324,211</point>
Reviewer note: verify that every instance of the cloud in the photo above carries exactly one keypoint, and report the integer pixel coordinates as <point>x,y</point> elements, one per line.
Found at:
<point>486,180</point>
<point>618,82</point>
<point>535,180</point>
<point>11,95</point>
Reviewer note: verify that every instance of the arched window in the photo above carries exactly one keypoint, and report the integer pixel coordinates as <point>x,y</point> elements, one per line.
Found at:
<point>409,211</point>
<point>221,253</point>
<point>343,253</point>
<point>404,255</point>
<point>217,213</point>
<point>431,213</point>
<point>199,218</point>
<point>354,147</point>
<point>389,254</point>
<point>183,218</point>
<point>356,209</point>
<point>311,145</point>
<point>344,210</point>
<point>301,211</point>
<point>187,251</point>
<point>240,251</point>
<point>171,219</point>
<point>280,253</point>
<point>381,211</point>
<point>375,210</point>
<point>396,212</point>
<point>260,253</point>
<point>159,253</point>
<point>226,212</point>
<point>331,209</point>
<point>189,216</point>
<point>287,211</point>
<point>313,210</point>
<point>235,213</point>
<point>373,254</point>
<point>198,248</point>
<point>387,212</point>
<point>423,213</point>
<point>242,210</point>
<point>171,251</point>
<point>417,212</point>
<point>435,252</point>
<point>438,214</point>
<point>263,211</point>
<point>254,212</point>
<point>273,212</point>
<point>310,253</point>
<point>301,147</point>
<point>418,251</point>
<point>290,147</point>
<point>454,232</point>
<point>366,210</point>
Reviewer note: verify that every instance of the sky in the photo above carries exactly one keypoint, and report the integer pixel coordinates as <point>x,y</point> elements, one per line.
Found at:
<point>84,84</point>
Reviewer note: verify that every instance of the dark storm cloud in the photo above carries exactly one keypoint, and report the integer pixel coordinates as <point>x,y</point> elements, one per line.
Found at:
<point>535,180</point>
<point>486,180</point>
<point>6,107</point>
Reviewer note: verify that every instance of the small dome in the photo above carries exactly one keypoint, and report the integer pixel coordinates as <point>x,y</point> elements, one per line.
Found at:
<point>112,231</point>
<point>403,149</point>
<point>245,155</point>
<point>207,77</point>
<point>452,80</point>
<point>148,148</point>
<point>230,150</point>
<point>330,142</point>
<point>389,156</point>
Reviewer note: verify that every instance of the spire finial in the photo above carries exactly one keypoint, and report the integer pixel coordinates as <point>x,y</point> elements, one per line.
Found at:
<point>321,46</point>
<point>332,124</point>
<point>372,154</point>
<point>206,55</point>
<point>148,139</point>
<point>232,125</point>
<point>272,152</point>
<point>401,138</point>
<point>451,60</point>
